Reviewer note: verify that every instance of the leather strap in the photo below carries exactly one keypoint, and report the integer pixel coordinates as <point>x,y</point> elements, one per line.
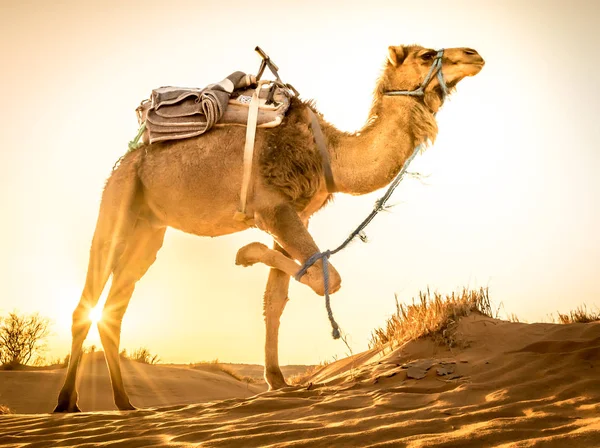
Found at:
<point>240,215</point>
<point>322,145</point>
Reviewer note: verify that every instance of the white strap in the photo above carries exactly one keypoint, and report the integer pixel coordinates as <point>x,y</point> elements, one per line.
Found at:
<point>248,153</point>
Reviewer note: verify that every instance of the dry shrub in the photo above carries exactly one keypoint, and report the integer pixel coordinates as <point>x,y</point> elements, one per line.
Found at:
<point>512,317</point>
<point>302,378</point>
<point>579,315</point>
<point>216,366</point>
<point>4,410</point>
<point>430,316</point>
<point>57,361</point>
<point>142,355</point>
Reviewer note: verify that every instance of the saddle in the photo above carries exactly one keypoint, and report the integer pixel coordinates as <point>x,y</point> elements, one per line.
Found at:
<point>173,113</point>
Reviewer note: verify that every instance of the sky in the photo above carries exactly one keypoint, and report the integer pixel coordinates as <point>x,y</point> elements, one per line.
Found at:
<point>510,200</point>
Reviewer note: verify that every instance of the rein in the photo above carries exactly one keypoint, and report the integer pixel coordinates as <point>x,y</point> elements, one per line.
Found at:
<point>319,139</point>
<point>436,68</point>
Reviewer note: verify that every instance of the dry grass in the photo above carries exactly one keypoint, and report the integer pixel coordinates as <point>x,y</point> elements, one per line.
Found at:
<point>142,355</point>
<point>4,410</point>
<point>512,317</point>
<point>435,316</point>
<point>579,315</point>
<point>216,366</point>
<point>302,378</point>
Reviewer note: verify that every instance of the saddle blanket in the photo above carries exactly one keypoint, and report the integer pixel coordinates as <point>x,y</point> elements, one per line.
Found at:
<point>173,113</point>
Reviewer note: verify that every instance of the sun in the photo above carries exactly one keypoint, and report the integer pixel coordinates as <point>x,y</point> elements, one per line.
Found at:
<point>95,314</point>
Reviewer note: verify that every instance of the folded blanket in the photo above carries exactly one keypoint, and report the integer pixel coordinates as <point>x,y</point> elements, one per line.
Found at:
<point>175,112</point>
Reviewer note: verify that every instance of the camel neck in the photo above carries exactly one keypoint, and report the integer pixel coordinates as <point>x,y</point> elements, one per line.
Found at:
<point>369,159</point>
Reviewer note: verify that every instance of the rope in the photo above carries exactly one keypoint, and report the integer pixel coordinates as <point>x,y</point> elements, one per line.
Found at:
<point>135,143</point>
<point>436,67</point>
<point>312,260</point>
<point>324,256</point>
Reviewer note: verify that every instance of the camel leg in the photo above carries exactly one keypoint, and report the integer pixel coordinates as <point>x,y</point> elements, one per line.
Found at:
<point>275,299</point>
<point>254,253</point>
<point>290,233</point>
<point>67,399</point>
<point>115,221</point>
<point>138,256</point>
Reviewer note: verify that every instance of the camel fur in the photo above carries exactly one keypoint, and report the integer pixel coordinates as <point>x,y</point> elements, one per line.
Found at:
<point>194,185</point>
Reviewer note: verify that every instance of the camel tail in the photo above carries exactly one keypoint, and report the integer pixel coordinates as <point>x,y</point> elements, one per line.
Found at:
<point>118,213</point>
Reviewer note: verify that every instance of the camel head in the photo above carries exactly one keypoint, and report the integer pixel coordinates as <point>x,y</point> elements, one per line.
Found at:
<point>407,67</point>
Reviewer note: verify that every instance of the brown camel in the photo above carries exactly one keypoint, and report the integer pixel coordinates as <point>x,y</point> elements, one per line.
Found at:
<point>194,185</point>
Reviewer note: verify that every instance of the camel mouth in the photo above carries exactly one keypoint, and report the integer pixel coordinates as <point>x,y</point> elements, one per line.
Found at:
<point>466,61</point>
<point>475,67</point>
<point>479,67</point>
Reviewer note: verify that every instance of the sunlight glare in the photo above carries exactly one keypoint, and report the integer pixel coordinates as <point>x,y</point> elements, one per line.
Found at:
<point>96,314</point>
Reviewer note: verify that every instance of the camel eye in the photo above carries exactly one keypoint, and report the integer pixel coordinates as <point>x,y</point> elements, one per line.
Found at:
<point>428,56</point>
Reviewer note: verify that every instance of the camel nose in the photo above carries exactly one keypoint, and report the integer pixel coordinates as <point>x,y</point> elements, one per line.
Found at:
<point>473,55</point>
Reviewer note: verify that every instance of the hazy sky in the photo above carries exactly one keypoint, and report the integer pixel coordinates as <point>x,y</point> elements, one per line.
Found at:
<point>511,200</point>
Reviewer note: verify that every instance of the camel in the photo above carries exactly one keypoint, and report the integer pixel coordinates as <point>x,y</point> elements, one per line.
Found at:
<point>194,185</point>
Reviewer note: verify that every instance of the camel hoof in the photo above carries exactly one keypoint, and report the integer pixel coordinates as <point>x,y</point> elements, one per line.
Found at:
<point>314,279</point>
<point>278,386</point>
<point>275,380</point>
<point>126,406</point>
<point>250,254</point>
<point>65,408</point>
<point>335,287</point>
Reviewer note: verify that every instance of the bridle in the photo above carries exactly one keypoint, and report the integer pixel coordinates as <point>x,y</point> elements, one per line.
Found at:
<point>436,68</point>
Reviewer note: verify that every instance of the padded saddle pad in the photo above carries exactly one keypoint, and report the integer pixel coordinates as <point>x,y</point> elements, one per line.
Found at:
<point>175,113</point>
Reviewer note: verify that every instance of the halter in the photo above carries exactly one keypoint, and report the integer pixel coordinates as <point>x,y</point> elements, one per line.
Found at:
<point>420,91</point>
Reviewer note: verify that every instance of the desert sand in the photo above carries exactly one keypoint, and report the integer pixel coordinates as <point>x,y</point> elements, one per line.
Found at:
<point>35,391</point>
<point>504,384</point>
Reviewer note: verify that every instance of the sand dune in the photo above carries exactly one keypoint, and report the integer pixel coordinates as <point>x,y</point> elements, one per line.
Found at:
<point>508,384</point>
<point>35,391</point>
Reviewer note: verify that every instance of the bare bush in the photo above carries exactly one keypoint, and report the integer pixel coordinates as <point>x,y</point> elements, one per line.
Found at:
<point>89,349</point>
<point>22,338</point>
<point>4,410</point>
<point>142,355</point>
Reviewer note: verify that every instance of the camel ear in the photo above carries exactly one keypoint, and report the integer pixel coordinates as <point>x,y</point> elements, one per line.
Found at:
<point>396,55</point>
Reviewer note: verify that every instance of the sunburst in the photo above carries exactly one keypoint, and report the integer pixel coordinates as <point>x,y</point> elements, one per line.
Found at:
<point>95,314</point>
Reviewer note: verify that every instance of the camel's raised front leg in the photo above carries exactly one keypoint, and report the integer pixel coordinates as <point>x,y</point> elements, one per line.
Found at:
<point>259,253</point>
<point>286,226</point>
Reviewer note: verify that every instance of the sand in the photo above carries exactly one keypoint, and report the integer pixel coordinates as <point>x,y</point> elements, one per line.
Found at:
<point>505,384</point>
<point>35,391</point>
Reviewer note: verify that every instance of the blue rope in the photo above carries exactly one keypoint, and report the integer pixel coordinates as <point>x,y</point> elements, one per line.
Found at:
<point>380,203</point>
<point>379,206</point>
<point>312,260</point>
